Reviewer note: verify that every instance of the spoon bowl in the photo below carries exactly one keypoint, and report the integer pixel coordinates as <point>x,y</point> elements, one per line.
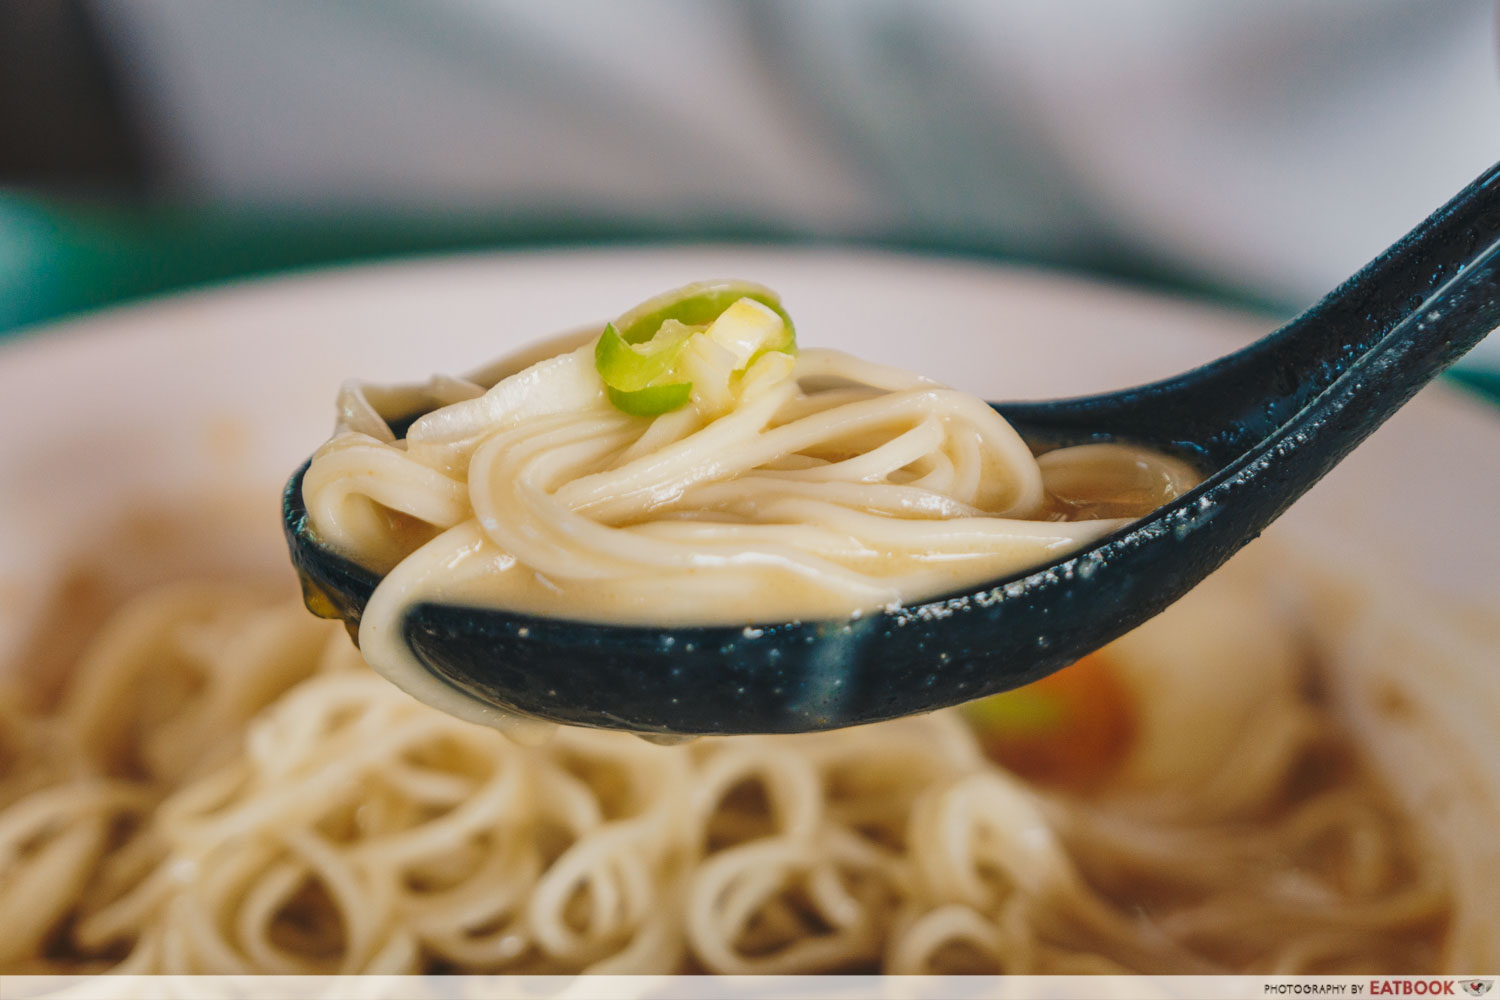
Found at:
<point>1263,425</point>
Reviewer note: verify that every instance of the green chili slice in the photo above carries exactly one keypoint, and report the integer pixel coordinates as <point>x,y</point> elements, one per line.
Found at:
<point>632,367</point>
<point>653,400</point>
<point>699,304</point>
<point>637,354</point>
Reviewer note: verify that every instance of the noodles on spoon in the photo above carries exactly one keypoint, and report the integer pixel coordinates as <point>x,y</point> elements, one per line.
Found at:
<point>691,466</point>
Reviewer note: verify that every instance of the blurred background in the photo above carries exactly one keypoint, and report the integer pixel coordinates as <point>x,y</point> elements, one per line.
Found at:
<point>1251,153</point>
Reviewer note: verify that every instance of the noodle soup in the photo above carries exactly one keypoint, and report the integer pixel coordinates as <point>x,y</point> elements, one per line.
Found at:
<point>1335,810</point>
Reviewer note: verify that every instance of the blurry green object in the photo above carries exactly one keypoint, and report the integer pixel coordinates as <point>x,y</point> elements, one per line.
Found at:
<point>58,259</point>
<point>1485,384</point>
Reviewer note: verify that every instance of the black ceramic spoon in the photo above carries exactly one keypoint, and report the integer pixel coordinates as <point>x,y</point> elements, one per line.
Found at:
<point>1264,424</point>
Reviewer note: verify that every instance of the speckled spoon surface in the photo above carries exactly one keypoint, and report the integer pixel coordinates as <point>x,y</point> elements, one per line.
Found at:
<point>1263,425</point>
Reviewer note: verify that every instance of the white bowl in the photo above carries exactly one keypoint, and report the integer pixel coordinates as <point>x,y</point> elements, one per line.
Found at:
<point>198,407</point>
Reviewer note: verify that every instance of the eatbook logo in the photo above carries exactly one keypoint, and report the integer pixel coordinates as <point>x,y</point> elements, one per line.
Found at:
<point>1478,987</point>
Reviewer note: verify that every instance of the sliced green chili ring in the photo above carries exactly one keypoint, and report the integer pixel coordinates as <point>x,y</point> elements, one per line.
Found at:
<point>653,400</point>
<point>629,371</point>
<point>633,367</point>
<point>699,304</point>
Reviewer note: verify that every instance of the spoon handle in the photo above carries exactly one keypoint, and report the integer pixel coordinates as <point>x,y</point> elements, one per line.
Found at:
<point>1222,410</point>
<point>1445,325</point>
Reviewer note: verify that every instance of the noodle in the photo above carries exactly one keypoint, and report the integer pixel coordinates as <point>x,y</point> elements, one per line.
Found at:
<point>810,486</point>
<point>793,505</point>
<point>223,787</point>
<point>220,785</point>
